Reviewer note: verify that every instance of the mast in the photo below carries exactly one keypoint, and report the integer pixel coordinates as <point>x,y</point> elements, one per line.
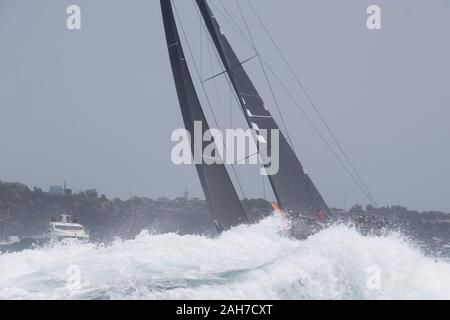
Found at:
<point>294,190</point>
<point>223,201</point>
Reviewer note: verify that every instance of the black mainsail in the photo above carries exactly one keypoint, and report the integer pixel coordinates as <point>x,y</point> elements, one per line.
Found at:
<point>293,188</point>
<point>223,201</point>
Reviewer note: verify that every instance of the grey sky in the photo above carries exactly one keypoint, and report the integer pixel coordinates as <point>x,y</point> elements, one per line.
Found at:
<point>97,106</point>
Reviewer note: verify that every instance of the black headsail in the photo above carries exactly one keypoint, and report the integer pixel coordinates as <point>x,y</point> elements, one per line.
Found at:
<point>293,188</point>
<point>223,201</point>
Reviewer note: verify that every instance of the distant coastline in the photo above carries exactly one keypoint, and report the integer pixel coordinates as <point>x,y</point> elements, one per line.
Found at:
<point>26,211</point>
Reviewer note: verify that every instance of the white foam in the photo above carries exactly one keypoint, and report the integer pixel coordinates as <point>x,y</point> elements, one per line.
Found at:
<point>248,262</point>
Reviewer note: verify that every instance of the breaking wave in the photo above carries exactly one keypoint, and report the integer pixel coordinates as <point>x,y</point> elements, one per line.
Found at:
<point>247,262</point>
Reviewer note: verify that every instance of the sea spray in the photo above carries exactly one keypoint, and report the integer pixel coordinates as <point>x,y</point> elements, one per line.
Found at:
<point>247,262</point>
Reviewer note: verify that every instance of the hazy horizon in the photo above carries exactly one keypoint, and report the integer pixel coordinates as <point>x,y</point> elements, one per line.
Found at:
<point>97,106</point>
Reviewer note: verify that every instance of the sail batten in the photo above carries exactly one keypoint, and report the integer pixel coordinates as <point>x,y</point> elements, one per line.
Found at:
<point>223,201</point>
<point>293,188</point>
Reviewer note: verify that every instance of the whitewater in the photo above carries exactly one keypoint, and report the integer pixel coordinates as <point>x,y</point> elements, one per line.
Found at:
<point>247,262</point>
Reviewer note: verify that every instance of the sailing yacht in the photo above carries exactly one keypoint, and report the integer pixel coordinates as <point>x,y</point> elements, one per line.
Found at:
<point>297,196</point>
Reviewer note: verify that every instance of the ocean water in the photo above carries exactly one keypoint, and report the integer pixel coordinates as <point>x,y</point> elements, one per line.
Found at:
<point>247,262</point>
